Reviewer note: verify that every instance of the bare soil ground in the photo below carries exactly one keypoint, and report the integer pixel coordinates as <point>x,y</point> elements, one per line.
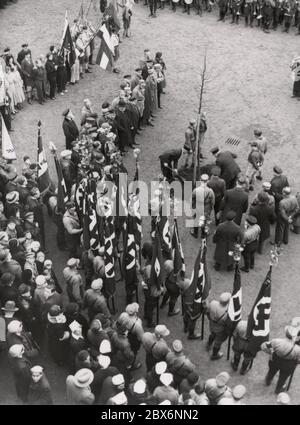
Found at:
<point>249,86</point>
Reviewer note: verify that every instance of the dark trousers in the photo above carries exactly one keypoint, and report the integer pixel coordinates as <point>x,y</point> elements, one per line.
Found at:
<point>158,97</point>
<point>153,6</point>
<point>61,79</point>
<point>222,14</point>
<point>285,368</point>
<point>60,233</point>
<point>40,89</point>
<point>166,171</point>
<point>189,324</point>
<point>187,8</point>
<point>149,306</point>
<point>52,84</point>
<point>282,232</point>
<point>249,254</point>
<point>171,295</point>
<point>6,116</point>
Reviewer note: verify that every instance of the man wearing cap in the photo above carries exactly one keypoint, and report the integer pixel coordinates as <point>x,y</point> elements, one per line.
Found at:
<point>265,216</point>
<point>17,335</point>
<point>153,375</point>
<point>30,225</point>
<point>178,364</point>
<point>278,182</point>
<point>138,393</point>
<point>155,346</point>
<point>68,169</point>
<point>78,387</point>
<point>283,399</point>
<point>216,388</point>
<point>250,242</point>
<point>70,128</point>
<point>226,236</point>
<point>172,290</point>
<point>35,204</point>
<point>287,209</point>
<point>124,359</point>
<point>123,126</point>
<point>75,289</point>
<point>285,358</point>
<point>239,348</point>
<point>39,388</point>
<point>21,370</point>
<point>218,186</point>
<point>112,386</point>
<point>261,141</point>
<point>190,140</point>
<point>73,229</point>
<point>58,336</point>
<point>134,327</point>
<point>217,312</point>
<point>151,92</point>
<point>236,200</point>
<point>255,162</point>
<point>94,300</point>
<point>104,371</point>
<point>166,391</point>
<point>203,201</point>
<point>229,168</point>
<point>77,344</point>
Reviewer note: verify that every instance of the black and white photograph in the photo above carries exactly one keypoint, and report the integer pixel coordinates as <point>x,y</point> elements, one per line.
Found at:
<point>149,205</point>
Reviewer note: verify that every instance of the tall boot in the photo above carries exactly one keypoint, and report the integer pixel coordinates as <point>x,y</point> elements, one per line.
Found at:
<point>235,362</point>
<point>191,329</point>
<point>210,342</point>
<point>245,367</point>
<point>164,300</point>
<point>172,310</point>
<point>216,354</point>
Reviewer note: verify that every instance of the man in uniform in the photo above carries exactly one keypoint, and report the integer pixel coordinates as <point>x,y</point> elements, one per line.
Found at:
<point>134,327</point>
<point>229,168</point>
<point>172,289</point>
<point>203,201</point>
<point>223,7</point>
<point>239,347</point>
<point>235,10</point>
<point>218,186</point>
<point>285,357</point>
<point>217,313</point>
<point>251,237</point>
<point>278,182</point>
<point>178,364</point>
<point>288,207</point>
<point>72,227</point>
<point>255,162</point>
<point>75,289</point>
<point>155,346</point>
<point>189,144</point>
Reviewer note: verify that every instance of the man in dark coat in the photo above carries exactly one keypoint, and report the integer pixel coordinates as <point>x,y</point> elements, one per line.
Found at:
<point>35,205</point>
<point>229,168</point>
<point>227,234</point>
<point>168,161</point>
<point>70,128</point>
<point>278,182</point>
<point>218,186</point>
<point>39,388</point>
<point>236,200</point>
<point>104,371</point>
<point>21,370</point>
<point>123,126</point>
<point>265,216</point>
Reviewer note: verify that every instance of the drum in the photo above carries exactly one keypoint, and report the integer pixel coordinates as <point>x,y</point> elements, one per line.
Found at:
<point>175,1</point>
<point>188,1</point>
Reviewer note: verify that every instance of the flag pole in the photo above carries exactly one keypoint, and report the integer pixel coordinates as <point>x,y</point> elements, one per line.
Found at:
<point>88,10</point>
<point>204,233</point>
<point>39,125</point>
<point>236,254</point>
<point>202,326</point>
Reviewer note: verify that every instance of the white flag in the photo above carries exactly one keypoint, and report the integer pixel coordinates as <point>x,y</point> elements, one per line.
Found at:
<point>8,151</point>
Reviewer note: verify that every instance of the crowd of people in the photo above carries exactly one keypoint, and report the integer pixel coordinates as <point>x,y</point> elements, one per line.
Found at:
<point>265,14</point>
<point>75,322</point>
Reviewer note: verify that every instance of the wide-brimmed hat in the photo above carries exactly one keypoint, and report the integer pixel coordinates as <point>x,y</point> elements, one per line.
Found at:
<point>10,306</point>
<point>83,378</point>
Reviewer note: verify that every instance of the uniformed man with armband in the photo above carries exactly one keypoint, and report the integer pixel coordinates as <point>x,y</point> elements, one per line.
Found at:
<point>285,356</point>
